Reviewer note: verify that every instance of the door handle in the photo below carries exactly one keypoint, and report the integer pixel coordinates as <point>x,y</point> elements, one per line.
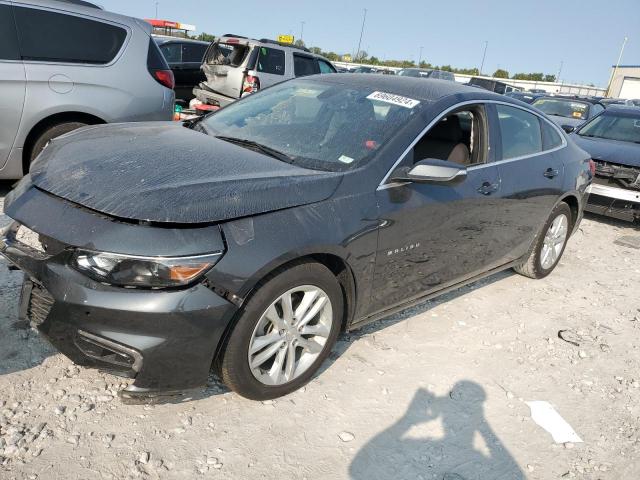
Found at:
<point>551,172</point>
<point>487,188</point>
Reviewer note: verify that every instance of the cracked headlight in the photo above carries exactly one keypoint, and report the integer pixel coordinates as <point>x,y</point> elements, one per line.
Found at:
<point>146,272</point>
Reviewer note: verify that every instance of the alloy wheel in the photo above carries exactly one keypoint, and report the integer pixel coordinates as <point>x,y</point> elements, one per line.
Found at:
<point>290,335</point>
<point>554,241</point>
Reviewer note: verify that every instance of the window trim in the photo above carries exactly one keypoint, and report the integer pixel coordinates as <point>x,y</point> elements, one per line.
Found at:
<point>383,185</point>
<point>116,57</point>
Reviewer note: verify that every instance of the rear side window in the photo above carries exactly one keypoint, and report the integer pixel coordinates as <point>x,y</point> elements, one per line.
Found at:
<point>270,60</point>
<point>57,37</point>
<point>550,136</point>
<point>172,52</point>
<point>325,67</point>
<point>303,66</point>
<point>193,52</point>
<point>520,132</point>
<point>8,38</point>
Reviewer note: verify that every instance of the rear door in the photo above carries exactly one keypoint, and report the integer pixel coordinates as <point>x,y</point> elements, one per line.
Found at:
<point>270,66</point>
<point>531,173</point>
<point>12,83</point>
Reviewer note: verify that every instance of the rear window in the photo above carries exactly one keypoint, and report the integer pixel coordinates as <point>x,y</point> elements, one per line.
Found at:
<point>303,66</point>
<point>155,60</point>
<point>57,37</point>
<point>172,52</point>
<point>8,39</point>
<point>563,107</point>
<point>193,52</point>
<point>227,54</point>
<point>270,60</point>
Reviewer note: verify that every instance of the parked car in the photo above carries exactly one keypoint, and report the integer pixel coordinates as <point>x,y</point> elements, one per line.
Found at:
<point>427,73</point>
<point>568,112</point>
<point>613,140</point>
<point>252,237</point>
<point>68,65</point>
<point>493,85</point>
<point>236,66</point>
<point>538,90</point>
<point>364,69</point>
<point>525,97</point>
<point>184,57</point>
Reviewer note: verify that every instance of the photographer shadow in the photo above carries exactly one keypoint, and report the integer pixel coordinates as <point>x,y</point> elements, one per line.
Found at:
<point>468,449</point>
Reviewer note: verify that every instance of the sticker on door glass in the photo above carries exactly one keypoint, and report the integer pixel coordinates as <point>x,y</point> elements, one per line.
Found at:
<point>394,99</point>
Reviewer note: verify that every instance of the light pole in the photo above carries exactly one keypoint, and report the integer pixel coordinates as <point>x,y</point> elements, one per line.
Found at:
<point>559,71</point>
<point>420,57</point>
<point>486,44</point>
<point>157,9</point>
<point>364,18</point>
<point>301,29</point>
<point>615,70</point>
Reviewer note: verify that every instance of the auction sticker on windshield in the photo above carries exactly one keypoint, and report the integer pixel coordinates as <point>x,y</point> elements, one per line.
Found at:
<point>394,99</point>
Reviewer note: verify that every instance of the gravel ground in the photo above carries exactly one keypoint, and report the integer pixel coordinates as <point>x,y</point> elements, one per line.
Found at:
<point>437,391</point>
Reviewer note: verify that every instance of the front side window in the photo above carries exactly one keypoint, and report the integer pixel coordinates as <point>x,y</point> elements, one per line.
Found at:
<point>58,37</point>
<point>8,38</point>
<point>315,124</point>
<point>624,127</point>
<point>303,66</point>
<point>193,52</point>
<point>172,52</point>
<point>270,60</point>
<point>325,67</point>
<point>520,132</point>
<point>460,137</point>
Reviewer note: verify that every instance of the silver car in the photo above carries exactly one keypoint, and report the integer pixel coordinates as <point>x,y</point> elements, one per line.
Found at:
<point>66,64</point>
<point>236,66</point>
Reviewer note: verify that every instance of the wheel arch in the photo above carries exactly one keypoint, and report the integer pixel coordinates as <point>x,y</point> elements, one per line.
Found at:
<point>49,121</point>
<point>571,199</point>
<point>333,261</point>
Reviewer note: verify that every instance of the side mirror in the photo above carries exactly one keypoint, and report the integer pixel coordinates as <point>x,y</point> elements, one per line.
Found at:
<point>431,170</point>
<point>568,128</point>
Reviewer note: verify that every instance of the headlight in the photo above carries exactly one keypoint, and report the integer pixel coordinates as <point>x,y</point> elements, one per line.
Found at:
<point>149,272</point>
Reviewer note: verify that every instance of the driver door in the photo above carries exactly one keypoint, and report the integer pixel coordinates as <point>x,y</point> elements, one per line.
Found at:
<point>434,235</point>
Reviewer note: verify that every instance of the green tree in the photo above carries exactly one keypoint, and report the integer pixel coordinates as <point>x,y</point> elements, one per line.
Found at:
<point>206,37</point>
<point>549,78</point>
<point>500,73</point>
<point>299,43</point>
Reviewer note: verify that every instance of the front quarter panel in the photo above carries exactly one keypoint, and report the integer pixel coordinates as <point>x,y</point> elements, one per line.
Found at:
<point>344,227</point>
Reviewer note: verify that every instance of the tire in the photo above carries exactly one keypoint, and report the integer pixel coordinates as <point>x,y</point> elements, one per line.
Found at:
<point>49,134</point>
<point>235,369</point>
<point>535,266</point>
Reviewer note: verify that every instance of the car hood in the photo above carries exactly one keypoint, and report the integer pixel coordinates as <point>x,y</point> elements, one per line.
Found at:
<point>164,172</point>
<point>613,151</point>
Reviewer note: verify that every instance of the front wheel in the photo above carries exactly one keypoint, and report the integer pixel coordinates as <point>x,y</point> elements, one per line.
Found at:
<point>284,333</point>
<point>549,245</point>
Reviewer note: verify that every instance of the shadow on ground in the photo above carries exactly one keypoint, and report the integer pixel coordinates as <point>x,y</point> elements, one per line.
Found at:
<point>445,438</point>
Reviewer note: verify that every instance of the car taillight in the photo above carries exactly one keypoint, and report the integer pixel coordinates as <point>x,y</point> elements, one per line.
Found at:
<point>164,77</point>
<point>251,84</point>
<point>592,166</point>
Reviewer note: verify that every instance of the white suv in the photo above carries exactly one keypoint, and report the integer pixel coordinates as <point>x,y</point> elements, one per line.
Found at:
<point>236,66</point>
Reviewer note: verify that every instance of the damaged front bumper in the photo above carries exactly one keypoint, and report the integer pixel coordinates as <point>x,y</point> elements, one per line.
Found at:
<point>620,203</point>
<point>164,339</point>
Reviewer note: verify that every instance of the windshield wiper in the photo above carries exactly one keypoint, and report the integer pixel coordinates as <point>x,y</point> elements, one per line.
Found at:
<point>259,147</point>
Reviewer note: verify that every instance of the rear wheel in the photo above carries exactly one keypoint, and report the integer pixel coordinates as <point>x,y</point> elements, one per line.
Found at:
<point>49,134</point>
<point>549,245</point>
<point>284,333</point>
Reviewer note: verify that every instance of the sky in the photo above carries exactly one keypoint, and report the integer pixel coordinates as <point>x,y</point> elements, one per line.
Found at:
<point>533,36</point>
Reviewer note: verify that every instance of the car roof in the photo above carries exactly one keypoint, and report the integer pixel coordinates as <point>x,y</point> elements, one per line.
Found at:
<point>86,8</point>
<point>427,89</point>
<point>626,110</point>
<point>162,39</point>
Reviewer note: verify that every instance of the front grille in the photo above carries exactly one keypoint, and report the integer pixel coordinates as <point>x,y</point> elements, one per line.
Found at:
<point>616,175</point>
<point>40,303</point>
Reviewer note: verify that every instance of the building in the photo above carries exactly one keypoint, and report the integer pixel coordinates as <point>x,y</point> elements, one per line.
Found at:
<point>167,27</point>
<point>625,82</point>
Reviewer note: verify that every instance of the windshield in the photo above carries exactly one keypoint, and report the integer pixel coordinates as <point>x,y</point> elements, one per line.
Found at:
<point>317,125</point>
<point>613,126</point>
<point>563,108</point>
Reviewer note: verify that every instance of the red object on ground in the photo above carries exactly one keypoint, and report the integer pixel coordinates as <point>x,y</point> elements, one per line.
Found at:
<point>204,108</point>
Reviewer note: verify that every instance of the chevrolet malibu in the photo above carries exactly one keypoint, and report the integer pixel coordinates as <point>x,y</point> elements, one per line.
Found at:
<point>248,240</point>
